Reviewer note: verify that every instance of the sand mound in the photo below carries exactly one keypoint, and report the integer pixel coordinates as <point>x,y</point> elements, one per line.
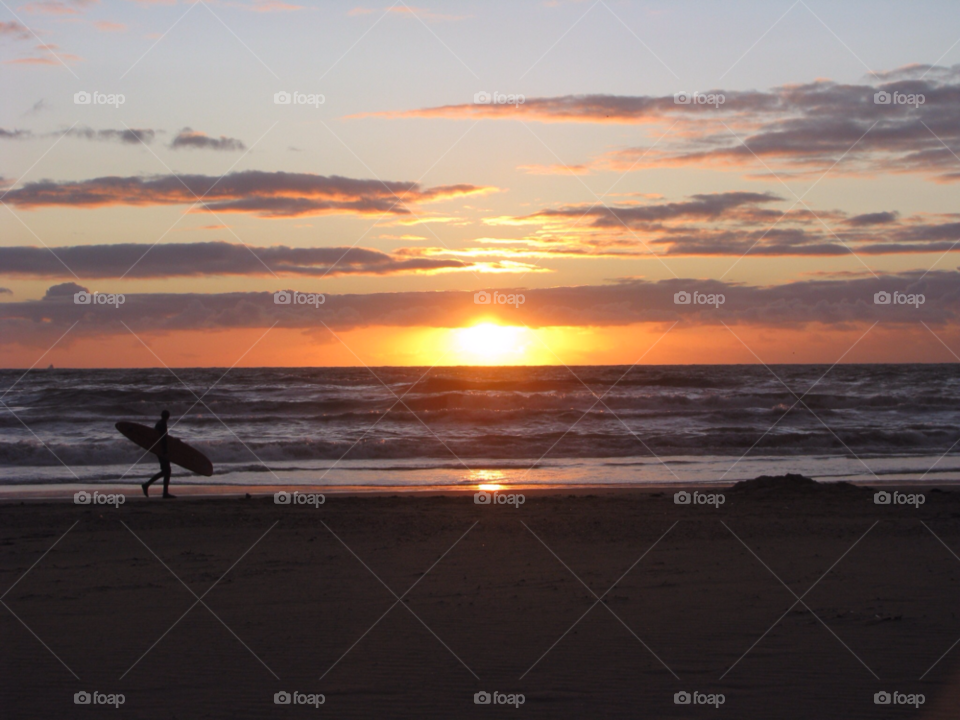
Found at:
<point>793,484</point>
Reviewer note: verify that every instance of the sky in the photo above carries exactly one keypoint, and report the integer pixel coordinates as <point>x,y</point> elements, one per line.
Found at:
<point>596,182</point>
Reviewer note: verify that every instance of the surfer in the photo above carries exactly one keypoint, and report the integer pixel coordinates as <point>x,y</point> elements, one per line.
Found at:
<point>161,427</point>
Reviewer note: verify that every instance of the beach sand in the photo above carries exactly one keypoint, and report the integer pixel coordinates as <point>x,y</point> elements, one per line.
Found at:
<point>292,593</point>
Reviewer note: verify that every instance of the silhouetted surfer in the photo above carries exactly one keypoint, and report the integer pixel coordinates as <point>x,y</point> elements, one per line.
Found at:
<point>161,427</point>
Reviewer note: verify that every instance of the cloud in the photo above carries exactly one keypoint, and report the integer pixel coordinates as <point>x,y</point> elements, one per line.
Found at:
<point>38,107</point>
<point>807,127</point>
<point>839,303</point>
<point>424,14</point>
<point>188,138</point>
<point>15,134</point>
<point>130,136</point>
<point>5,291</point>
<point>138,260</point>
<point>554,169</point>
<point>267,194</point>
<point>107,26</point>
<point>708,206</point>
<point>273,6</point>
<point>260,6</point>
<point>15,30</point>
<point>67,289</point>
<point>50,56</point>
<point>877,218</point>
<point>58,7</point>
<point>729,223</point>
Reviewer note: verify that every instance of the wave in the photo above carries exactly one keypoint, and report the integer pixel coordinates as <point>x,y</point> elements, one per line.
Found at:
<point>311,414</point>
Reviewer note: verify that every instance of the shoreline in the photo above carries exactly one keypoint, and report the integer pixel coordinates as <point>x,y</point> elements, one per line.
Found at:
<point>132,492</point>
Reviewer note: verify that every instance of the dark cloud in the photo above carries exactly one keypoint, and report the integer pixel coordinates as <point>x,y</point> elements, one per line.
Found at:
<point>130,136</point>
<point>38,107</point>
<point>5,291</point>
<point>732,223</point>
<point>15,134</point>
<point>708,206</point>
<point>188,138</point>
<point>808,127</point>
<point>62,290</point>
<point>267,194</point>
<point>135,260</point>
<point>15,30</point>
<point>840,303</point>
<point>877,218</point>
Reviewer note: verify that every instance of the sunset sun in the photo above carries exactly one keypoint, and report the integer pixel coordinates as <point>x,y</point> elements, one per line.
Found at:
<point>487,343</point>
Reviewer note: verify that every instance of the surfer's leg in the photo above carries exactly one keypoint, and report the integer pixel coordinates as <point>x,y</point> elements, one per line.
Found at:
<point>145,486</point>
<point>166,480</point>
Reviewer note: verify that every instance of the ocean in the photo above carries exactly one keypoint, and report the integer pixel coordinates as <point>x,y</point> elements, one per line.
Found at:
<point>419,427</point>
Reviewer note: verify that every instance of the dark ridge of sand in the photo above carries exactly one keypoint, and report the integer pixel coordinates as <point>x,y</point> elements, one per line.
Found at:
<point>793,484</point>
<point>290,588</point>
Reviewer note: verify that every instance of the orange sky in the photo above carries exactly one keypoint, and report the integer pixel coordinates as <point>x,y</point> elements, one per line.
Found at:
<point>427,156</point>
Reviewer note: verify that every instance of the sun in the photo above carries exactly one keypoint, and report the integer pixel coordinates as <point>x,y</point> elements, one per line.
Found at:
<point>487,343</point>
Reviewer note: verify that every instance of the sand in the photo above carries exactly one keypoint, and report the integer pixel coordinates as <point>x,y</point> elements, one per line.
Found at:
<point>292,593</point>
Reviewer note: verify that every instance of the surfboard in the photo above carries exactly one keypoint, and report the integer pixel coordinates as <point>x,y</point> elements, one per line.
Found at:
<point>178,452</point>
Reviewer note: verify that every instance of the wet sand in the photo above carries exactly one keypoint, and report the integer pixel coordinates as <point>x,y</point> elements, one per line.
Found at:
<point>491,601</point>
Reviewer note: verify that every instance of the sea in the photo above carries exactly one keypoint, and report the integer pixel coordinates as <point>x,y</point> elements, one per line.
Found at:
<point>418,428</point>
